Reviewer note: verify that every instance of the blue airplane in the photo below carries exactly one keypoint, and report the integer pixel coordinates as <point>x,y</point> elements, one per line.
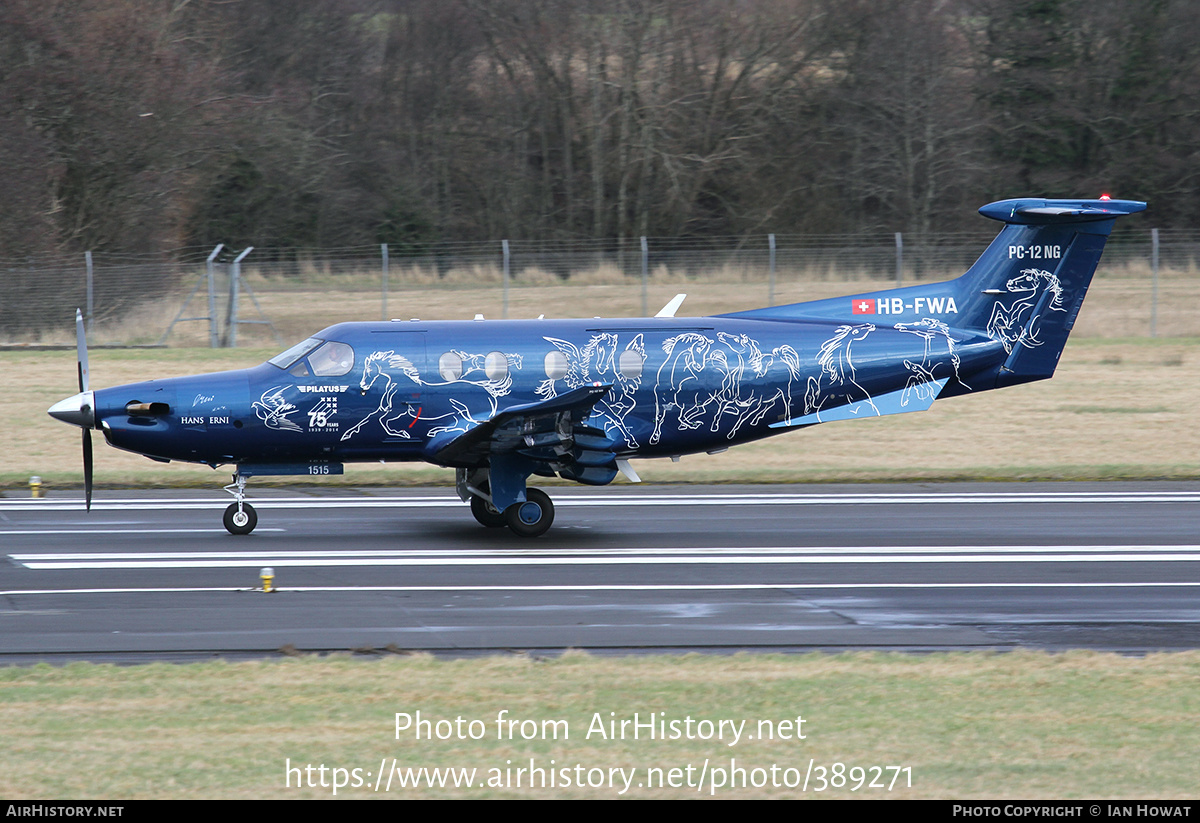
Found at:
<point>502,400</point>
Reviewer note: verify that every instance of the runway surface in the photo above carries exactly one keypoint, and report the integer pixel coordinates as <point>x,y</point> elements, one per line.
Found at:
<point>915,567</point>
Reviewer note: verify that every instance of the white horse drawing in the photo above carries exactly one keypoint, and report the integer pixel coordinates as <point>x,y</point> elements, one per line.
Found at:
<point>928,329</point>
<point>397,371</point>
<point>726,376</point>
<point>1009,323</point>
<point>837,377</point>
<point>598,361</point>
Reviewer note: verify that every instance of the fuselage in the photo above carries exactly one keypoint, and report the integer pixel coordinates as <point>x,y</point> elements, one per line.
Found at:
<point>387,391</point>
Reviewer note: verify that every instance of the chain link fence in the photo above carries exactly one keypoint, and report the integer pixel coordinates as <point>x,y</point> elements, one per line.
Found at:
<point>182,298</point>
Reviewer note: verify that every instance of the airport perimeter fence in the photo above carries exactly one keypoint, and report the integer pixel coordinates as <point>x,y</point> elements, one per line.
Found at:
<point>273,297</point>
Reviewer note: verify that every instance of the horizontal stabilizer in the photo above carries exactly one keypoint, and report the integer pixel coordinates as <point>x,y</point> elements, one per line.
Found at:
<point>1034,212</point>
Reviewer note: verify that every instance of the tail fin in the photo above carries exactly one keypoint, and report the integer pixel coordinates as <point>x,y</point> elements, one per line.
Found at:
<point>1024,291</point>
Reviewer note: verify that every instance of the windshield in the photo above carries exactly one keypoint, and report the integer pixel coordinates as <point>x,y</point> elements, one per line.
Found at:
<point>286,359</point>
<point>332,360</point>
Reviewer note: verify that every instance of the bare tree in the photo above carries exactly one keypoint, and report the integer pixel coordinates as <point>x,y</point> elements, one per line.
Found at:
<point>906,117</point>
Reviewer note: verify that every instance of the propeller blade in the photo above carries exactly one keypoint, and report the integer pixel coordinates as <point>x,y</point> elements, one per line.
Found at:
<point>87,467</point>
<point>81,351</point>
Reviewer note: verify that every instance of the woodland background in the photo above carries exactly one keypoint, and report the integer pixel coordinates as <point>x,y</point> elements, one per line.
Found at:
<point>147,126</point>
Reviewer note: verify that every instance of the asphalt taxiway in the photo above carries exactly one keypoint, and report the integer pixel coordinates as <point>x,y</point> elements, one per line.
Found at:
<point>916,567</point>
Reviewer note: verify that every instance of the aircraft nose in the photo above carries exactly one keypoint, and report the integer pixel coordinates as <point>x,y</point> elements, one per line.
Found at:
<point>78,410</point>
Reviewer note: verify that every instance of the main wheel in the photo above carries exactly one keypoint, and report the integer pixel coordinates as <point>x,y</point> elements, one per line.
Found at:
<point>487,514</point>
<point>242,522</point>
<point>533,517</point>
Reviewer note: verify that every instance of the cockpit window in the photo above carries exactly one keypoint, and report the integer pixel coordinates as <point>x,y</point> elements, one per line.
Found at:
<point>285,360</point>
<point>332,360</point>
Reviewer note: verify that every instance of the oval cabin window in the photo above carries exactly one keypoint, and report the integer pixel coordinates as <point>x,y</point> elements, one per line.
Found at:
<point>631,364</point>
<point>450,366</point>
<point>556,365</point>
<point>496,366</point>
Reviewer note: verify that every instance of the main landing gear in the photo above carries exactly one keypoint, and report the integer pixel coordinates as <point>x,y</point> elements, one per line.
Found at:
<point>533,517</point>
<point>240,517</point>
<point>530,517</point>
<point>487,514</point>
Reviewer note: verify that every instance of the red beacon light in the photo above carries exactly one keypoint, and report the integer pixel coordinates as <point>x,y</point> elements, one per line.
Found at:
<point>1105,197</point>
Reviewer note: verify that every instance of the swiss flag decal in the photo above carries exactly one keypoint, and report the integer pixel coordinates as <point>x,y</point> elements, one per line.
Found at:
<point>862,306</point>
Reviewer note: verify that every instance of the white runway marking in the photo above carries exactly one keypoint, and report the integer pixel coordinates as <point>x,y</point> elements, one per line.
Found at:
<point>123,531</point>
<point>610,500</point>
<point>641,550</point>
<point>613,557</point>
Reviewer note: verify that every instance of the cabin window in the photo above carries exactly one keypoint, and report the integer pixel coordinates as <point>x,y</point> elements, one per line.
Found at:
<point>331,360</point>
<point>556,365</point>
<point>450,366</point>
<point>496,366</point>
<point>631,363</point>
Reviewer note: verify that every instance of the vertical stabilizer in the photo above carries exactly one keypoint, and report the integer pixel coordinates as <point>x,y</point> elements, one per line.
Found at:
<point>1024,291</point>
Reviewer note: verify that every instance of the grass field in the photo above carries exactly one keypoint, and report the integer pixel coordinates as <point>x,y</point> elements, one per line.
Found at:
<point>1020,726</point>
<point>1120,302</point>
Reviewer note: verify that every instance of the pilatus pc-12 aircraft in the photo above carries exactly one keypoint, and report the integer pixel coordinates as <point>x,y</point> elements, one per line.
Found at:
<point>501,400</point>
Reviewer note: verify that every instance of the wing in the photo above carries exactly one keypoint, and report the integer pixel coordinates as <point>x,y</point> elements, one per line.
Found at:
<point>549,435</point>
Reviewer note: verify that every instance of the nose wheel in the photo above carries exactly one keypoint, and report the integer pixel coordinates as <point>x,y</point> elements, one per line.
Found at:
<point>240,517</point>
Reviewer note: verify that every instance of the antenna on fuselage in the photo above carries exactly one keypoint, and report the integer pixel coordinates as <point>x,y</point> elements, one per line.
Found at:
<point>672,307</point>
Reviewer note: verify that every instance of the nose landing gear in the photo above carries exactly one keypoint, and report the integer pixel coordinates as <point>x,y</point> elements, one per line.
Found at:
<point>240,517</point>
